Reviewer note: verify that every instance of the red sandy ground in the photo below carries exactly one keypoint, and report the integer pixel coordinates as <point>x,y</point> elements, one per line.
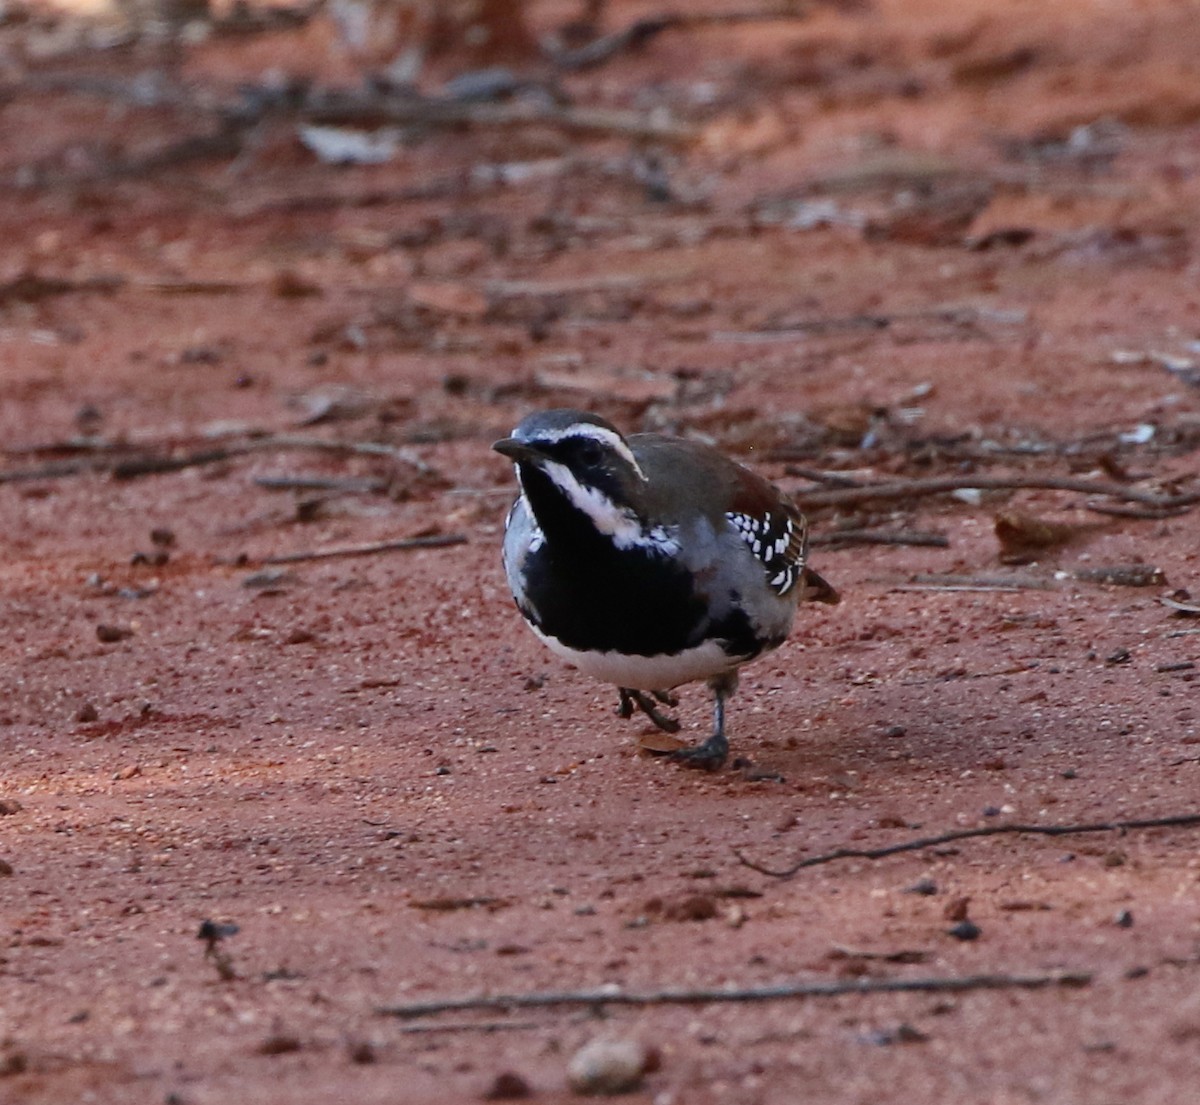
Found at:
<point>324,760</point>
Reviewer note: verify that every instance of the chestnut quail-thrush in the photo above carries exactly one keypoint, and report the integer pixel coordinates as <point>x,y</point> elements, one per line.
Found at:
<point>651,561</point>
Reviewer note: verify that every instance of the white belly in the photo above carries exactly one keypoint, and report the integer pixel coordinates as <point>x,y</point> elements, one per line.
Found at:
<point>647,673</point>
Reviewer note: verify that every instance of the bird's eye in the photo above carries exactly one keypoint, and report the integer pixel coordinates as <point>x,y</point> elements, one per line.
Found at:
<point>590,453</point>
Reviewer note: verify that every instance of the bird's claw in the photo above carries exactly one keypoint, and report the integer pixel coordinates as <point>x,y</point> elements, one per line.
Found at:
<point>709,756</point>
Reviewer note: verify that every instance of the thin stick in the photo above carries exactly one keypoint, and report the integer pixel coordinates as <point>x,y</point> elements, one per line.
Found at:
<point>29,287</point>
<point>951,582</point>
<point>429,541</point>
<point>880,537</point>
<point>52,471</point>
<point>340,108</point>
<point>936,485</point>
<point>642,31</point>
<point>972,588</point>
<point>469,1026</point>
<point>349,484</point>
<point>150,464</point>
<point>157,465</point>
<point>820,475</point>
<point>921,843</point>
<point>1147,513</point>
<point>700,996</point>
<point>356,448</point>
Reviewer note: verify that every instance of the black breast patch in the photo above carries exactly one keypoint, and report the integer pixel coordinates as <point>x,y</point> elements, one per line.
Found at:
<point>628,601</point>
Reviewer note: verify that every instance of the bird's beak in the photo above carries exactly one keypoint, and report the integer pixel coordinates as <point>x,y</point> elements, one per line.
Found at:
<point>515,450</point>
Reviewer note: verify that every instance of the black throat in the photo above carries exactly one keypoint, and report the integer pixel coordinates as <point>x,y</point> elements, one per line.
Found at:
<point>593,596</point>
<point>565,526</point>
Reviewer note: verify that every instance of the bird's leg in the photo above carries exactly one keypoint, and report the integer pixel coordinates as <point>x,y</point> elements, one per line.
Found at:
<point>711,754</point>
<point>632,699</point>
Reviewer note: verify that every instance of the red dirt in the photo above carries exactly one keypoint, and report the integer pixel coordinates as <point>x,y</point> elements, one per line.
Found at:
<point>332,761</point>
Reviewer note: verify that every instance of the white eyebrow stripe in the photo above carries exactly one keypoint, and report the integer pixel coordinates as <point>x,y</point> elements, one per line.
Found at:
<point>616,522</point>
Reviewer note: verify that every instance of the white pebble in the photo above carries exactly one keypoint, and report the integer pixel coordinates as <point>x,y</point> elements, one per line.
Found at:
<point>607,1066</point>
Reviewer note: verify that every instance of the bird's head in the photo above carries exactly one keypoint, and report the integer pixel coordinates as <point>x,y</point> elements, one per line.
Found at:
<point>582,460</point>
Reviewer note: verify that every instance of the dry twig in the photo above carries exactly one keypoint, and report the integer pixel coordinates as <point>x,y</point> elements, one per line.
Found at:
<point>838,538</point>
<point>428,541</point>
<point>641,31</point>
<point>921,843</point>
<point>950,581</point>
<point>347,485</point>
<point>156,459</point>
<point>937,485</point>
<point>484,1027</point>
<point>596,999</point>
<point>52,471</point>
<point>339,109</point>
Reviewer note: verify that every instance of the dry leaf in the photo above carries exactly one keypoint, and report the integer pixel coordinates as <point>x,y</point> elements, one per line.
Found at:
<point>449,298</point>
<point>660,742</point>
<point>1021,535</point>
<point>1181,602</point>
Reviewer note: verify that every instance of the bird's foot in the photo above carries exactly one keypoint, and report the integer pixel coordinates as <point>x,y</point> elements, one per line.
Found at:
<point>632,699</point>
<point>708,756</point>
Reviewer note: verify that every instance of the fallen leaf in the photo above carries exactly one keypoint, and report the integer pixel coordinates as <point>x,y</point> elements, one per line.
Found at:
<point>1181,602</point>
<point>660,742</point>
<point>693,907</point>
<point>449,298</point>
<point>342,146</point>
<point>1021,535</point>
<point>956,909</point>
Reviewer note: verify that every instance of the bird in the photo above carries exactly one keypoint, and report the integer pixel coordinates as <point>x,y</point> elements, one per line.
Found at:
<point>651,561</point>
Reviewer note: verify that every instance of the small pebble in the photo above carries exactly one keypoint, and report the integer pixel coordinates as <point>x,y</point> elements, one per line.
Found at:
<point>1124,919</point>
<point>507,1086</point>
<point>111,633</point>
<point>280,1044</point>
<point>965,930</point>
<point>925,887</point>
<point>903,1033</point>
<point>608,1066</point>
